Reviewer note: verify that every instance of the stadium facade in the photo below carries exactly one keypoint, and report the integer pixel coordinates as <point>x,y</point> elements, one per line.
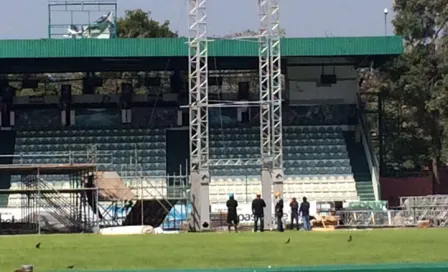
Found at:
<point>128,150</point>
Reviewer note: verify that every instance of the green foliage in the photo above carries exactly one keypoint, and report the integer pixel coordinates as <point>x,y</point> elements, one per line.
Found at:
<point>416,87</point>
<point>137,24</point>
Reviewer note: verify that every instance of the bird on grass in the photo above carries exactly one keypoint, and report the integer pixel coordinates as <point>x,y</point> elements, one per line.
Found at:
<point>70,267</point>
<point>38,245</point>
<point>349,239</point>
<point>288,241</point>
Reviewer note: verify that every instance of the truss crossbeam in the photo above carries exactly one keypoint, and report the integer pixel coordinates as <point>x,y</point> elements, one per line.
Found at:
<point>235,162</point>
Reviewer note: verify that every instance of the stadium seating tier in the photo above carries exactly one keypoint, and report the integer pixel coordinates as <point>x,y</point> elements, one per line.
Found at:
<point>318,159</point>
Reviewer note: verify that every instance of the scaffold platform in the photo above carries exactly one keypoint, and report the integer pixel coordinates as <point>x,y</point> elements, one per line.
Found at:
<point>46,169</point>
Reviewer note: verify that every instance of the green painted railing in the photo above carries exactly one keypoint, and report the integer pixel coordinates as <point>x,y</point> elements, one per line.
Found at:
<point>435,267</point>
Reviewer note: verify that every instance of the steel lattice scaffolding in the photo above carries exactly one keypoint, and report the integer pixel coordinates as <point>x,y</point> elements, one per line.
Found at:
<point>276,86</point>
<point>47,209</point>
<point>264,75</point>
<point>432,207</point>
<point>270,102</point>
<point>198,114</point>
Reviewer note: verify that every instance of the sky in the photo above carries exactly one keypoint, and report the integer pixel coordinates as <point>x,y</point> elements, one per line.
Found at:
<point>28,19</point>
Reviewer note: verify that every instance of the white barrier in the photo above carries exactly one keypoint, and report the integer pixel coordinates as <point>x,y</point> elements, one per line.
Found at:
<point>127,230</point>
<point>132,230</point>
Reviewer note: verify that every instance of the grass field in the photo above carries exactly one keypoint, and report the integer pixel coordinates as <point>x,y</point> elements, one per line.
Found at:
<point>223,249</point>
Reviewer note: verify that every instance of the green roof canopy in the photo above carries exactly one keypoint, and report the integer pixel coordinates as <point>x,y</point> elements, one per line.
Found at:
<point>177,47</point>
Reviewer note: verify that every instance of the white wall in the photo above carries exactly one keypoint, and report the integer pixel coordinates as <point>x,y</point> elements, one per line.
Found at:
<point>303,87</point>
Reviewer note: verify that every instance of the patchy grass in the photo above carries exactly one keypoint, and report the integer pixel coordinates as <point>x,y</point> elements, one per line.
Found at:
<point>223,250</point>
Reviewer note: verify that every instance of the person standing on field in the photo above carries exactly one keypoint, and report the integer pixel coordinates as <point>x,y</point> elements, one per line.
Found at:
<point>294,213</point>
<point>304,210</point>
<point>279,211</point>
<point>258,206</point>
<point>232,215</point>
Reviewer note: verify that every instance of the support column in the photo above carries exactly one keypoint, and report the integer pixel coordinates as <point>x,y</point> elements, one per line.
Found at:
<point>198,109</point>
<point>266,194</point>
<point>200,194</point>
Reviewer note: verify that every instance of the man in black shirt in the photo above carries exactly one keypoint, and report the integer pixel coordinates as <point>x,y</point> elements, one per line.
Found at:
<point>258,206</point>
<point>294,213</point>
<point>232,215</point>
<point>279,211</point>
<point>304,210</point>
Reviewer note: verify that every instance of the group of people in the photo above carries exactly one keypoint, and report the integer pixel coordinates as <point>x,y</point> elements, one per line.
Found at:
<point>258,206</point>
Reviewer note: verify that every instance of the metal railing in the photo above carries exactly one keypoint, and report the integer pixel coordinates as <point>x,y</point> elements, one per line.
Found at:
<point>90,156</point>
<point>372,159</point>
<point>54,202</point>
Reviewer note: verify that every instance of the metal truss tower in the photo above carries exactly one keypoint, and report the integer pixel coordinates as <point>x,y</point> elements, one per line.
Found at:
<point>265,109</point>
<point>271,147</point>
<point>198,112</point>
<point>276,96</point>
<point>270,102</point>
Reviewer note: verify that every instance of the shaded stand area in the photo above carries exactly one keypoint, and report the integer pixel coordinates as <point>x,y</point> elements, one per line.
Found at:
<point>45,208</point>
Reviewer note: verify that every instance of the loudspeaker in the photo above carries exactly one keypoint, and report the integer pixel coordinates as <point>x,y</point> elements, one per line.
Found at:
<point>97,81</point>
<point>30,83</point>
<point>66,93</point>
<point>243,90</point>
<point>328,79</point>
<point>87,86</point>
<point>215,81</point>
<point>127,92</point>
<point>90,83</point>
<point>185,118</point>
<point>152,82</point>
<point>7,93</point>
<point>4,82</point>
<point>176,82</point>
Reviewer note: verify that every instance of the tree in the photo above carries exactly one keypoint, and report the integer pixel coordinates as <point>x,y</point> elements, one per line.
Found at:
<point>417,81</point>
<point>138,24</point>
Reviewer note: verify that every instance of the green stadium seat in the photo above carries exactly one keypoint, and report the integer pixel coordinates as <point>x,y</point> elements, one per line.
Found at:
<point>117,145</point>
<point>315,150</point>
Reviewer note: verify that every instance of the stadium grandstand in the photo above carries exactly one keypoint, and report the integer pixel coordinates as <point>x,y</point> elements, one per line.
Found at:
<point>125,135</point>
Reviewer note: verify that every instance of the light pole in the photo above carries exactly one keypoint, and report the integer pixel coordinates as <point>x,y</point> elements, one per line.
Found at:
<point>385,21</point>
